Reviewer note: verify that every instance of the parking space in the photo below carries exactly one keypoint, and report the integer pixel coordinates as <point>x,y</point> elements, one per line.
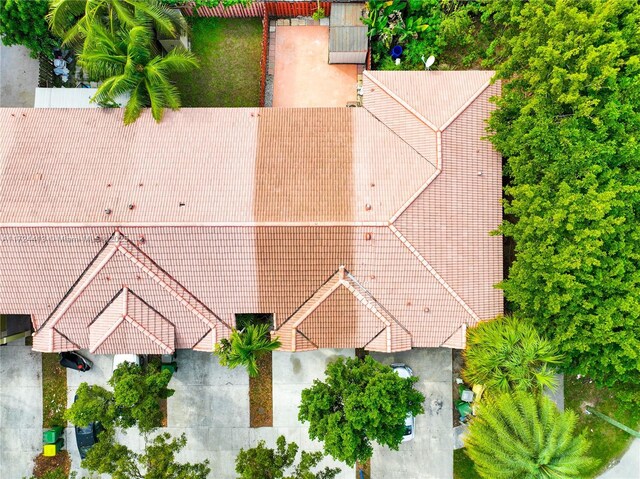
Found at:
<point>20,409</point>
<point>430,453</point>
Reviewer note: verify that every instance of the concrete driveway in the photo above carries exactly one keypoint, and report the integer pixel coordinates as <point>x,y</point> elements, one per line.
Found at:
<point>430,453</point>
<point>18,77</point>
<point>20,409</point>
<point>211,406</point>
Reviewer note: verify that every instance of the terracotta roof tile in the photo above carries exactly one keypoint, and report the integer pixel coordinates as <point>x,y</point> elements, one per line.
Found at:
<point>257,210</point>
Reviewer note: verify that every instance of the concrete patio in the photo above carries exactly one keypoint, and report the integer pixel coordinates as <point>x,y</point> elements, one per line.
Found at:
<point>302,74</point>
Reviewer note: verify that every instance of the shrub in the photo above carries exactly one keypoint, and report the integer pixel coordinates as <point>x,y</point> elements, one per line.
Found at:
<point>23,23</point>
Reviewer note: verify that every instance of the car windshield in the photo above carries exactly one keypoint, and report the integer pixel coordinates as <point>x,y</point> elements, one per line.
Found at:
<point>408,430</point>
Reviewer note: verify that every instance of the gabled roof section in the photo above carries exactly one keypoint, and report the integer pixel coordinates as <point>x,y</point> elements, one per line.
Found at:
<point>360,323</point>
<point>129,325</point>
<point>122,262</point>
<point>437,97</point>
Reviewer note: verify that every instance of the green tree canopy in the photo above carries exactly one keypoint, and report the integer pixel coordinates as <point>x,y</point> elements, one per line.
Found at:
<point>568,124</point>
<point>157,462</point>
<point>507,354</point>
<point>245,346</point>
<point>261,462</point>
<point>525,436</point>
<point>23,23</point>
<point>358,403</point>
<point>135,400</point>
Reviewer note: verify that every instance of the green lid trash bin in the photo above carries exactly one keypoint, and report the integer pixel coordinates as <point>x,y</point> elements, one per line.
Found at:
<point>464,408</point>
<point>171,367</point>
<point>50,436</point>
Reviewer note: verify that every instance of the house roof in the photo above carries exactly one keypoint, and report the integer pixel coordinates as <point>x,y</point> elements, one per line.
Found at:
<point>357,227</point>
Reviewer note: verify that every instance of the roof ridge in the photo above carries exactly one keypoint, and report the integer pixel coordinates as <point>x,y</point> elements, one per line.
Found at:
<point>466,105</point>
<point>136,324</point>
<point>432,270</point>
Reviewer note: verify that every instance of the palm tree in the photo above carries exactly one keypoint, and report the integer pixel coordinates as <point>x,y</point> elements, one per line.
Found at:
<point>125,63</point>
<point>244,347</point>
<point>507,354</point>
<point>73,19</point>
<point>525,436</point>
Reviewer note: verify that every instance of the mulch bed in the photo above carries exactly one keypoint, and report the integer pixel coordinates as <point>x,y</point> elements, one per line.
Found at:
<point>54,391</point>
<point>43,464</point>
<point>261,394</point>
<point>366,468</point>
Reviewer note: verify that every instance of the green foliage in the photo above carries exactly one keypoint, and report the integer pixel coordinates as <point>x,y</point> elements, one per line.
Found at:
<point>137,394</point>
<point>261,462</point>
<point>73,20</point>
<point>157,461</point>
<point>23,23</point>
<point>359,402</point>
<point>568,123</point>
<point>57,473</point>
<point>507,354</point>
<point>245,346</point>
<point>93,403</point>
<point>135,400</point>
<point>414,25</point>
<point>525,436</point>
<point>125,62</point>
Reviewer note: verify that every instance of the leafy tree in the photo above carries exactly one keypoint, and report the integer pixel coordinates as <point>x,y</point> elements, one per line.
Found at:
<point>261,462</point>
<point>72,19</point>
<point>525,436</point>
<point>125,63</point>
<point>507,354</point>
<point>137,394</point>
<point>135,400</point>
<point>92,403</point>
<point>568,123</point>
<point>207,3</point>
<point>157,461</point>
<point>245,346</point>
<point>358,403</point>
<point>23,23</point>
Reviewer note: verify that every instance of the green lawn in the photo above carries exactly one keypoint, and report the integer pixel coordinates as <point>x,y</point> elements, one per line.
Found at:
<point>229,51</point>
<point>463,466</point>
<point>607,441</point>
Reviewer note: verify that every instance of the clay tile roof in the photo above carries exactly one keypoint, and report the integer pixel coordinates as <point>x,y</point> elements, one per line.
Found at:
<point>355,227</point>
<point>129,325</point>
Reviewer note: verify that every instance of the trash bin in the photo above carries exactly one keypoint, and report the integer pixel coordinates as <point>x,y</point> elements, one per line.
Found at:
<point>171,367</point>
<point>51,450</point>
<point>396,52</point>
<point>464,408</point>
<point>50,436</point>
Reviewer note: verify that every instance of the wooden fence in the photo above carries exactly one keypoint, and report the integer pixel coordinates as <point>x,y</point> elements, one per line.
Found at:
<point>257,9</point>
<point>45,72</point>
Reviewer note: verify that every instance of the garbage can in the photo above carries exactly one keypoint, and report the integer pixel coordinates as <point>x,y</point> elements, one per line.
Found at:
<point>50,436</point>
<point>51,450</point>
<point>171,367</point>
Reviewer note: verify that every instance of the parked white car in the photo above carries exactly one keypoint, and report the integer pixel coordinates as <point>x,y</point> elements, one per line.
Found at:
<point>405,371</point>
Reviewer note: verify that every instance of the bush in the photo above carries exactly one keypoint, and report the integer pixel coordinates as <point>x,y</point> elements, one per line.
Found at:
<point>24,23</point>
<point>507,354</point>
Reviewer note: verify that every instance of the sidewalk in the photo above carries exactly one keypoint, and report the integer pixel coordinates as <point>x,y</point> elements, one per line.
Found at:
<point>629,465</point>
<point>18,77</point>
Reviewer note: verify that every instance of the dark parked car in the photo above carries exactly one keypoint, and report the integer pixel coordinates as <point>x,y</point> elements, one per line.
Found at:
<point>73,360</point>
<point>87,436</point>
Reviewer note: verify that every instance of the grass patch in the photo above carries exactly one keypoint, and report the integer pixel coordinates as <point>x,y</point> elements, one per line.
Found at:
<point>463,467</point>
<point>261,393</point>
<point>229,51</point>
<point>54,391</point>
<point>608,443</point>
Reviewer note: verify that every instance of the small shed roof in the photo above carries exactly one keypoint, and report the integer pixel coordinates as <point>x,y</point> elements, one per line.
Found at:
<point>346,32</point>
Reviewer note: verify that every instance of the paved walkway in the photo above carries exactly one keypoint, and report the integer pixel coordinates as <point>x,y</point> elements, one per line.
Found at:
<point>20,409</point>
<point>629,465</point>
<point>18,77</point>
<point>302,74</point>
<point>430,453</point>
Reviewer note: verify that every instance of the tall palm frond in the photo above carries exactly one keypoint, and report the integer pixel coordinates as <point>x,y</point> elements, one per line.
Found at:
<point>123,61</point>
<point>72,19</point>
<point>525,436</point>
<point>507,354</point>
<point>244,347</point>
